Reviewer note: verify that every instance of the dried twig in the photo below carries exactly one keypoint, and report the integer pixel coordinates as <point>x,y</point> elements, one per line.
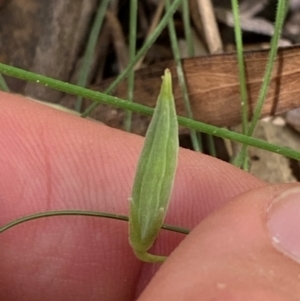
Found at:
<point>210,26</point>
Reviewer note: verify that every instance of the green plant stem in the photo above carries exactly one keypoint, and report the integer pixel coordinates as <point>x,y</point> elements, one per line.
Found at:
<point>3,85</point>
<point>187,28</point>
<point>149,42</point>
<point>242,73</point>
<point>132,50</point>
<point>241,65</point>
<point>123,104</point>
<point>211,146</point>
<point>90,49</point>
<point>280,14</point>
<point>81,213</point>
<point>176,54</point>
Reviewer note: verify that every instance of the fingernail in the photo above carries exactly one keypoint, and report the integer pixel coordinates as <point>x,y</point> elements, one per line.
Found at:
<point>284,222</point>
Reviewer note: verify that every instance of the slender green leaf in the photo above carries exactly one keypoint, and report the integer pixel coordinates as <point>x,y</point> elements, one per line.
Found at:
<point>90,49</point>
<point>241,159</point>
<point>3,85</point>
<point>241,65</point>
<point>187,28</point>
<point>181,78</point>
<point>135,107</point>
<point>132,49</point>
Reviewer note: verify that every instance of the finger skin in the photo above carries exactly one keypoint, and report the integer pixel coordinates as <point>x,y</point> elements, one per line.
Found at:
<point>52,160</point>
<point>229,256</point>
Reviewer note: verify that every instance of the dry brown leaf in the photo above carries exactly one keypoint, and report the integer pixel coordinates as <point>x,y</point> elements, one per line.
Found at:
<point>213,85</point>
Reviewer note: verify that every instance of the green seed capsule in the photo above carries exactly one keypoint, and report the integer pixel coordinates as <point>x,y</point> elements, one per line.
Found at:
<point>154,175</point>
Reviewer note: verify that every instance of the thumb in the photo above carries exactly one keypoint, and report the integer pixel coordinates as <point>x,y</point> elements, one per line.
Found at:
<point>248,250</point>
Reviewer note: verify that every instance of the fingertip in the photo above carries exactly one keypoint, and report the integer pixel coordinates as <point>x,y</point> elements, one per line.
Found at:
<point>229,256</point>
<point>92,168</point>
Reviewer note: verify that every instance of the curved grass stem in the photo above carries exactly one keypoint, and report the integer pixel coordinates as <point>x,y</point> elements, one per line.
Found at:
<point>80,213</point>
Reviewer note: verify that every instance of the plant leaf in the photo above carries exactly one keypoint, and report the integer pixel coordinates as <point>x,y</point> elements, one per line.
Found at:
<point>155,175</point>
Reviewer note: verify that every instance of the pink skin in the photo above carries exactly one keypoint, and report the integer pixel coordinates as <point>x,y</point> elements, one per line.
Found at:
<point>51,160</point>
